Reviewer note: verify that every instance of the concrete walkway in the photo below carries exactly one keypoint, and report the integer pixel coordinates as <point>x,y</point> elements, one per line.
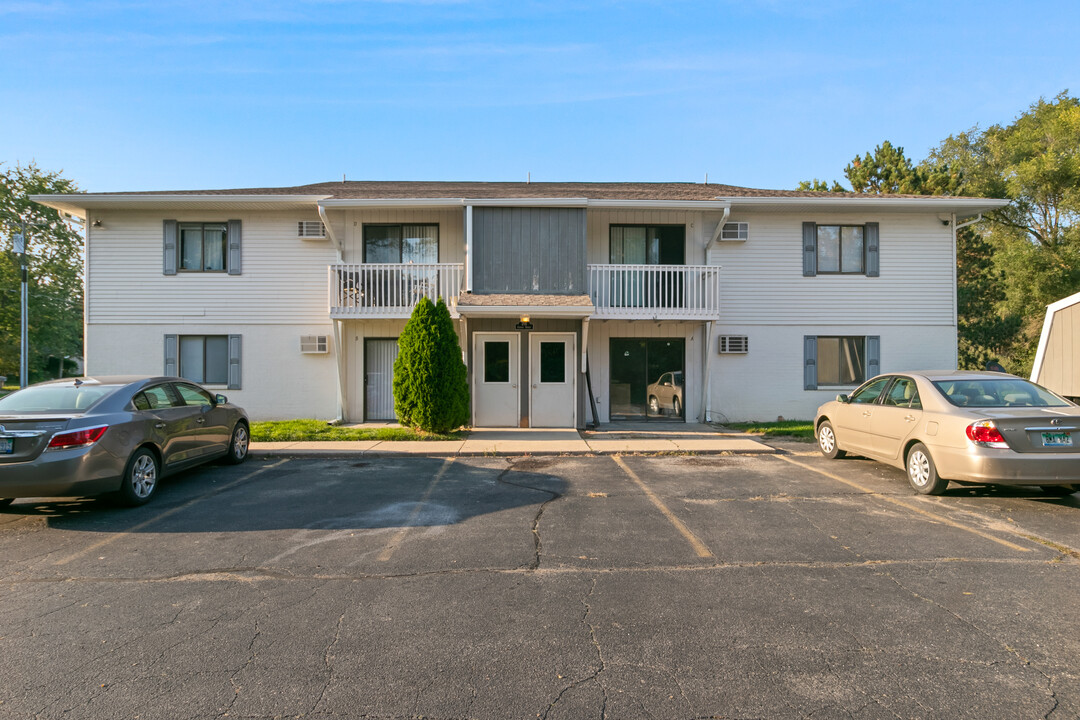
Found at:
<point>607,440</point>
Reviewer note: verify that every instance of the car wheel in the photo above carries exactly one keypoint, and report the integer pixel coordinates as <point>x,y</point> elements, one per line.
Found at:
<point>654,405</point>
<point>239,444</point>
<point>922,473</point>
<point>676,407</point>
<point>826,441</point>
<point>140,479</point>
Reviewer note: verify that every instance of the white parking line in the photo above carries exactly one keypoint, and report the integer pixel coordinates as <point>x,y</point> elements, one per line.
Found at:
<point>907,505</point>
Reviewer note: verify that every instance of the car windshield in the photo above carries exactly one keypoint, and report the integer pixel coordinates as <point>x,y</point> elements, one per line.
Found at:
<point>55,398</point>
<point>997,392</point>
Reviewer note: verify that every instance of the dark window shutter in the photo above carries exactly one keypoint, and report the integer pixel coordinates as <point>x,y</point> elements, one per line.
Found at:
<point>234,247</point>
<point>810,362</point>
<point>873,263</point>
<point>234,362</point>
<point>809,249</point>
<point>168,248</point>
<point>873,356</point>
<point>170,355</point>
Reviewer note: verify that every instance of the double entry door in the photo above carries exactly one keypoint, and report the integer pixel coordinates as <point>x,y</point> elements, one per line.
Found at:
<point>550,393</point>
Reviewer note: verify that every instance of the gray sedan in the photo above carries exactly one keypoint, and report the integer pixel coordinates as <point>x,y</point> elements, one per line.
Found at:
<point>977,427</point>
<point>88,436</point>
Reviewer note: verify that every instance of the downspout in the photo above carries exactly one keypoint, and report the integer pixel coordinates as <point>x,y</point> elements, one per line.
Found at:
<point>330,232</point>
<point>716,233</point>
<point>339,351</point>
<point>706,386</point>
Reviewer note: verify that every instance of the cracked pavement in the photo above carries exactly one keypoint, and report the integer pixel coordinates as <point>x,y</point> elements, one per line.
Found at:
<point>543,587</point>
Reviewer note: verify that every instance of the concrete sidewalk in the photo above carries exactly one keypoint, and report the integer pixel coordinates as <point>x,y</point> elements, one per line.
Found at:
<point>608,440</point>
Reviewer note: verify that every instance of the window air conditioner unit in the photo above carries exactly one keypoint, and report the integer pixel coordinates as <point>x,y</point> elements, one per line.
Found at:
<point>734,344</point>
<point>310,344</point>
<point>310,229</point>
<point>735,232</point>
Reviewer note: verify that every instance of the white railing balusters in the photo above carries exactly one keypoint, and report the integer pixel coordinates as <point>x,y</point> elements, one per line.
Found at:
<point>677,292</point>
<point>390,289</point>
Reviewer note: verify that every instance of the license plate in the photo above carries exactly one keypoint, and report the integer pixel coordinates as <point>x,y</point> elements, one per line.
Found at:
<point>7,446</point>
<point>1057,439</point>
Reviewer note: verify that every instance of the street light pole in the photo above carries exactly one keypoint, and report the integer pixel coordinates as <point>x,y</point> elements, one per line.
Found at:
<point>20,247</point>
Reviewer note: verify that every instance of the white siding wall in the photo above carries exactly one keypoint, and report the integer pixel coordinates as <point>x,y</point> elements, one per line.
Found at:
<point>762,279</point>
<point>451,222</point>
<point>768,381</point>
<point>278,381</point>
<point>283,280</point>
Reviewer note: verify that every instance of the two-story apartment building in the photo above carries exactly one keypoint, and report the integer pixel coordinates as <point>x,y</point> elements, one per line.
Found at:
<point>619,301</point>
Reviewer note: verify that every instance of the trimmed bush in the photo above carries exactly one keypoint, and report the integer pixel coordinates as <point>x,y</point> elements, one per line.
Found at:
<point>431,391</point>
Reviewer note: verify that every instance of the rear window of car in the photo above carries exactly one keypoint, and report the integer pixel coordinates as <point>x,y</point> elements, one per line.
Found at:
<point>56,398</point>
<point>997,393</point>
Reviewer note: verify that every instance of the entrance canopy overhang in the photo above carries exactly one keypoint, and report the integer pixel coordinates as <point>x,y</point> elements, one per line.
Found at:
<point>525,305</point>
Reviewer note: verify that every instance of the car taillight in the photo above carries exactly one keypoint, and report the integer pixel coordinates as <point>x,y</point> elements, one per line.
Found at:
<point>985,433</point>
<point>77,438</point>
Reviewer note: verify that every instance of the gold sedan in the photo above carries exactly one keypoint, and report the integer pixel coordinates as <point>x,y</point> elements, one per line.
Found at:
<point>970,427</point>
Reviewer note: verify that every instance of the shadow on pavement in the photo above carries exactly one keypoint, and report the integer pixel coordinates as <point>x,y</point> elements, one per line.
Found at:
<point>308,494</point>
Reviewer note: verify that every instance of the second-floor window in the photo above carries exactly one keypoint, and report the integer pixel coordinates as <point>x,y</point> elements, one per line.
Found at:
<point>401,243</point>
<point>840,249</point>
<point>203,246</point>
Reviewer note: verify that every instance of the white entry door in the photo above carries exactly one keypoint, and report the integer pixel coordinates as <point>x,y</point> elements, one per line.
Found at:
<point>379,357</point>
<point>553,391</point>
<point>496,364</point>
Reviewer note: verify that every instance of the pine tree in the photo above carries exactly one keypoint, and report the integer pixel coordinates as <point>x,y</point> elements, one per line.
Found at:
<point>431,391</point>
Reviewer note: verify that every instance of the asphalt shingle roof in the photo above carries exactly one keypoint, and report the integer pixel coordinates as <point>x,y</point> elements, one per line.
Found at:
<point>376,190</point>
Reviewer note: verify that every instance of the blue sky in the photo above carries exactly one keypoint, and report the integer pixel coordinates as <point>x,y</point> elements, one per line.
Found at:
<point>174,94</point>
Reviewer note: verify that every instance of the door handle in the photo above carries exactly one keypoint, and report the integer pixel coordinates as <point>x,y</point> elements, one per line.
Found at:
<point>866,413</point>
<point>159,425</point>
<point>909,418</point>
<point>535,385</point>
<point>200,420</point>
<point>513,386</point>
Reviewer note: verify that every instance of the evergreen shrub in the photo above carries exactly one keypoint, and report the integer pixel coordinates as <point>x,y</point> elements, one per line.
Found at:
<point>431,391</point>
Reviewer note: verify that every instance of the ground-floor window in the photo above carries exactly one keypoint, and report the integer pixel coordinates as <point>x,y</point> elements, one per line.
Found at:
<point>840,360</point>
<point>208,359</point>
<point>647,378</point>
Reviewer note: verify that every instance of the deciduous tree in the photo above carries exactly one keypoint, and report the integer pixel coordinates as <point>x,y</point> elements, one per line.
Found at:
<point>55,255</point>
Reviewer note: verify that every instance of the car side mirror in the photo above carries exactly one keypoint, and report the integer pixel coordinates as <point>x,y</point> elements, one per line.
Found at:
<point>841,398</point>
<point>220,399</point>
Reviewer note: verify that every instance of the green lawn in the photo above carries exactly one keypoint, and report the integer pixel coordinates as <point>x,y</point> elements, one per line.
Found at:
<point>798,429</point>
<point>302,430</point>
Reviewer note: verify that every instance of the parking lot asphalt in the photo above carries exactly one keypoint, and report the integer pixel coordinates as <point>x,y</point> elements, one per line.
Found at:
<point>674,586</point>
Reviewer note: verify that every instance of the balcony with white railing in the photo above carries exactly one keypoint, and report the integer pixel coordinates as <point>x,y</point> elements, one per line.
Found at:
<point>655,292</point>
<point>390,290</point>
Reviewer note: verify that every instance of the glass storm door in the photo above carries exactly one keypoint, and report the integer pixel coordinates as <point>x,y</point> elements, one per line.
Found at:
<point>379,357</point>
<point>647,378</point>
